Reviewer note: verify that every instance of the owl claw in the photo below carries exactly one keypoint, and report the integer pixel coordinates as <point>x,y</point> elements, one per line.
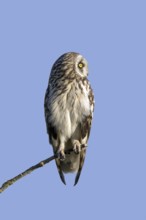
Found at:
<point>77,147</point>
<point>61,155</point>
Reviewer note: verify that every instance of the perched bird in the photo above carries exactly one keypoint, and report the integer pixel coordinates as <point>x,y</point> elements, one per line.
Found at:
<point>69,106</point>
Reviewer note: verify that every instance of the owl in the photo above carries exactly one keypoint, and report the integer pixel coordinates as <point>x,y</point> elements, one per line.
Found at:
<point>69,106</point>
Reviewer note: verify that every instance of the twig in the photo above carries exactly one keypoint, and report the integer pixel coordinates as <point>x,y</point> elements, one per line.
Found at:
<point>26,172</point>
<point>8,183</point>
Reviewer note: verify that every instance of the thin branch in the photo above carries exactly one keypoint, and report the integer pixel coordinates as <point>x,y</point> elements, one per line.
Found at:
<point>8,183</point>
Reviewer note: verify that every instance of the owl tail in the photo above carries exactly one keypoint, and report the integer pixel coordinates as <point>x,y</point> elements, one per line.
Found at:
<point>60,171</point>
<point>81,163</point>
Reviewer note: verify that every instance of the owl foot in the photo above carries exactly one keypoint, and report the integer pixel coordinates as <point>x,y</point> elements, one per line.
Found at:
<point>76,147</point>
<point>61,155</point>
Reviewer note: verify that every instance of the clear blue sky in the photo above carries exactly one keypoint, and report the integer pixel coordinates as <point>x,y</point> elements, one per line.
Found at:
<point>112,37</point>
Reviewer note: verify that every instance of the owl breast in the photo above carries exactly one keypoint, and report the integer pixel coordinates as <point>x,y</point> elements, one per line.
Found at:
<point>70,108</point>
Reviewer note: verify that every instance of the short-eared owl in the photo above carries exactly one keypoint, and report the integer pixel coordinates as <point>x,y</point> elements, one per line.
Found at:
<point>69,105</point>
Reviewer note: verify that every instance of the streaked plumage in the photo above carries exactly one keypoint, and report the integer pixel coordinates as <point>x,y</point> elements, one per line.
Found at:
<point>69,105</point>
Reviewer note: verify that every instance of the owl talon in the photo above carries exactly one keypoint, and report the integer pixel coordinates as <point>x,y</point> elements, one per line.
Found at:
<point>61,155</point>
<point>77,147</point>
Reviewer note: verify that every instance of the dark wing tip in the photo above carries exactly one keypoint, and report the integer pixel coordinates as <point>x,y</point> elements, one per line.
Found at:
<point>62,177</point>
<point>82,158</point>
<point>77,178</point>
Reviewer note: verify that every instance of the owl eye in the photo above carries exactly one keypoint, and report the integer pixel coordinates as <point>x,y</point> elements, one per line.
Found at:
<point>80,65</point>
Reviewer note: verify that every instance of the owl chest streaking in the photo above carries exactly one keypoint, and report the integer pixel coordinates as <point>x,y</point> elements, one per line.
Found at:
<point>69,105</point>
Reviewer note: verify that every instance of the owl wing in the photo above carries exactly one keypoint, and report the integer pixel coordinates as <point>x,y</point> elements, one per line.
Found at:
<point>85,132</point>
<point>51,130</point>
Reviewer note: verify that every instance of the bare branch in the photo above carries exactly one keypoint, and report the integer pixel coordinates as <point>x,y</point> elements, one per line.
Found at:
<point>26,172</point>
<point>8,183</point>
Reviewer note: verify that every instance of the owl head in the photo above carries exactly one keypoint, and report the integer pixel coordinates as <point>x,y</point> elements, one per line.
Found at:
<point>71,64</point>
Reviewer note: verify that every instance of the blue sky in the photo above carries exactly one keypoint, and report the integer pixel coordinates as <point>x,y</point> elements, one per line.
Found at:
<point>112,37</point>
